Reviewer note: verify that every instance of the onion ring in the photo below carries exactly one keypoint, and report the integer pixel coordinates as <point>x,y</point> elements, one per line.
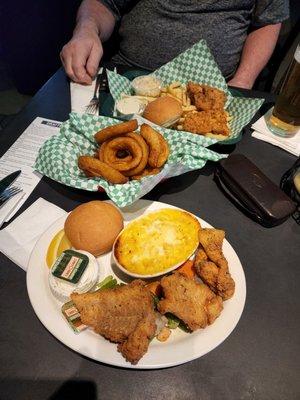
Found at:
<point>123,154</point>
<point>164,152</point>
<point>101,152</point>
<point>159,148</point>
<point>122,143</point>
<point>145,153</point>
<point>94,167</point>
<point>115,130</point>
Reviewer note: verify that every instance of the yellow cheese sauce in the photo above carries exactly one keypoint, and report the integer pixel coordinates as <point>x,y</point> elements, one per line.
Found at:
<point>157,241</point>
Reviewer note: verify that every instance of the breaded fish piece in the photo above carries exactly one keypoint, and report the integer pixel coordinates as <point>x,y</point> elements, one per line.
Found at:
<point>124,314</point>
<point>198,122</point>
<point>206,97</point>
<point>192,302</point>
<point>211,265</point>
<point>203,122</point>
<point>212,242</point>
<point>218,279</point>
<point>137,343</point>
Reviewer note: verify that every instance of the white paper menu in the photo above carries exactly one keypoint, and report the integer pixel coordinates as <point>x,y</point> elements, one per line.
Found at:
<point>21,156</point>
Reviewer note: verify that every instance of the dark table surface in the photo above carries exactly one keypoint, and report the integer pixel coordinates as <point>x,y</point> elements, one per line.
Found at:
<point>259,360</point>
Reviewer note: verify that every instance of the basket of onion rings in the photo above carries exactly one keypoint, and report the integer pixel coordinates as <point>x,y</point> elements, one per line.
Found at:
<point>126,160</point>
<point>125,154</point>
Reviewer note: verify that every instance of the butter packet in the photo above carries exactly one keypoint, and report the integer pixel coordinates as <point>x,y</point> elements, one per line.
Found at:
<point>72,315</point>
<point>70,266</point>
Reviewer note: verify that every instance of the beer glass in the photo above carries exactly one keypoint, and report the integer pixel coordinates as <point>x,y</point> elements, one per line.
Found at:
<point>285,118</point>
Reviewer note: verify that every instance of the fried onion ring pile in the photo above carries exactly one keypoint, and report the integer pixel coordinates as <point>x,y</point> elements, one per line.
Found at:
<point>126,154</point>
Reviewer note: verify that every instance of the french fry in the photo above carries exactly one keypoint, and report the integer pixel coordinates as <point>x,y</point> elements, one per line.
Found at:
<point>148,98</point>
<point>189,108</point>
<point>173,92</point>
<point>174,85</point>
<point>183,98</point>
<point>216,136</point>
<point>178,94</point>
<point>174,97</point>
<point>228,116</point>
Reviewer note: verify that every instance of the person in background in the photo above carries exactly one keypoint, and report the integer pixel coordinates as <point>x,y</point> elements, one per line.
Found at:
<point>241,34</point>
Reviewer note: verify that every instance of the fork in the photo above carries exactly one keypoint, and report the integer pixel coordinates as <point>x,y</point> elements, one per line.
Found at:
<point>8,193</point>
<point>93,105</point>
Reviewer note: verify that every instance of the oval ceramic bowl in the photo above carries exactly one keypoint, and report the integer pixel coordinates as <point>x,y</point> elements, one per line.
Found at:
<point>148,276</point>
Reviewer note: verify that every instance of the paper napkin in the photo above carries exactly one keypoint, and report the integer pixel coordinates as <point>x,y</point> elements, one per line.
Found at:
<point>81,96</point>
<point>262,132</point>
<point>18,239</point>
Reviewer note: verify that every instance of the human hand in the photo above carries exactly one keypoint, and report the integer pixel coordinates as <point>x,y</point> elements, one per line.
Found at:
<point>81,55</point>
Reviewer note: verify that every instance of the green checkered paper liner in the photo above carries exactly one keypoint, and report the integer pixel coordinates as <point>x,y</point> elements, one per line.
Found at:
<point>198,65</point>
<point>58,157</point>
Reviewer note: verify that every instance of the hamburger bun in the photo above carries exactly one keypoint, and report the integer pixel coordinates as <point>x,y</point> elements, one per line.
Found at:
<point>93,227</point>
<point>164,111</point>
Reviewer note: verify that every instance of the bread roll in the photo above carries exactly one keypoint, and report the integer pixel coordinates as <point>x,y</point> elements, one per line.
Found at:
<point>93,227</point>
<point>164,111</point>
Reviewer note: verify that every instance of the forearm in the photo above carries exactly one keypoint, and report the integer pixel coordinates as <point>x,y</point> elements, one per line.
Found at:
<point>82,54</point>
<point>257,51</point>
<point>95,17</point>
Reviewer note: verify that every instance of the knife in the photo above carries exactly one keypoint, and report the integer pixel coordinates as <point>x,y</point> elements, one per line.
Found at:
<point>8,180</point>
<point>103,89</point>
<point>103,81</point>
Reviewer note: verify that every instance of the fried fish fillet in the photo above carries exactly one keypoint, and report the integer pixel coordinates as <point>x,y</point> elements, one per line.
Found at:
<point>137,343</point>
<point>192,302</point>
<point>203,122</point>
<point>211,265</point>
<point>205,97</point>
<point>212,242</point>
<point>123,315</point>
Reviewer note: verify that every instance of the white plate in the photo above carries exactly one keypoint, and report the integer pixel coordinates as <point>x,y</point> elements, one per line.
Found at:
<point>180,348</point>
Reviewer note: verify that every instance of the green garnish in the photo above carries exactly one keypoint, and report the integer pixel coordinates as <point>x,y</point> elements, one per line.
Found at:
<point>155,300</point>
<point>184,327</point>
<point>108,283</point>
<point>173,321</point>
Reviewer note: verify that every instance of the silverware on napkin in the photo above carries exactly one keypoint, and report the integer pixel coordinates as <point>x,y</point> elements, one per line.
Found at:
<point>93,105</point>
<point>8,180</point>
<point>8,193</point>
